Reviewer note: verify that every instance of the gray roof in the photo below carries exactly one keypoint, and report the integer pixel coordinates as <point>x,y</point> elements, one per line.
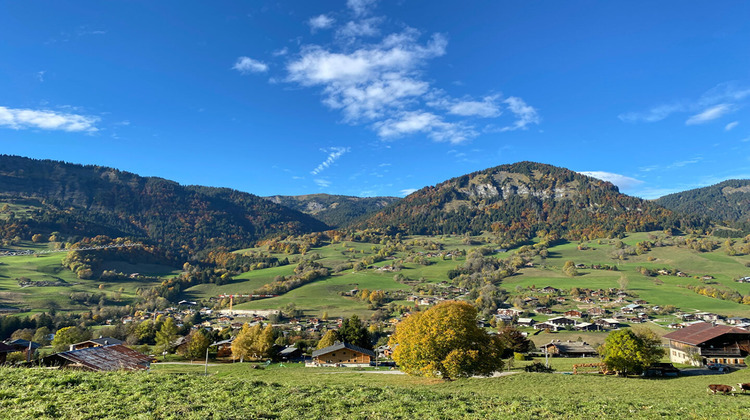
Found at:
<point>288,350</point>
<point>105,341</point>
<point>112,357</point>
<point>22,344</point>
<point>339,346</point>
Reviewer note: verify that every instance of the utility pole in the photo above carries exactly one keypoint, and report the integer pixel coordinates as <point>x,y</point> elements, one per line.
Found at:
<point>205,370</point>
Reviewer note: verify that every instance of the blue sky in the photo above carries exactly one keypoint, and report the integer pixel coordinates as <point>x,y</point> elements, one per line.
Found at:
<point>368,97</point>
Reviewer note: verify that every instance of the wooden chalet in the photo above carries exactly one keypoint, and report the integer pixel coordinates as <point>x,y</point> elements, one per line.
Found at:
<point>573,313</point>
<point>342,354</point>
<point>103,358</point>
<point>714,344</point>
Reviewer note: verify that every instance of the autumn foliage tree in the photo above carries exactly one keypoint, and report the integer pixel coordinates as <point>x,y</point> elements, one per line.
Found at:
<point>445,341</point>
<point>253,342</point>
<point>630,351</point>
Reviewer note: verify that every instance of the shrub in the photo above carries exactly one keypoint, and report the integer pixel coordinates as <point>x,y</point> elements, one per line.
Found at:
<point>539,368</point>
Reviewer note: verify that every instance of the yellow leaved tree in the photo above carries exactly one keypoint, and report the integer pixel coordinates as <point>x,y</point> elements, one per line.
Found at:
<point>445,341</point>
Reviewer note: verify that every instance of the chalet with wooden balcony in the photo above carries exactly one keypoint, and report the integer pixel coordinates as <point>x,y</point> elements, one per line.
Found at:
<point>705,343</point>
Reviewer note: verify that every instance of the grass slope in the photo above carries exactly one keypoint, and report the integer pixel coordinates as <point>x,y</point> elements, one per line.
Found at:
<point>235,391</point>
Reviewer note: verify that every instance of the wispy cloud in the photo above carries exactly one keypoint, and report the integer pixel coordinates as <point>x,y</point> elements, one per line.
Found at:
<point>322,183</point>
<point>361,7</point>
<point>681,163</point>
<point>247,65</point>
<point>654,114</point>
<point>731,125</point>
<point>407,191</point>
<point>40,75</point>
<point>622,181</point>
<point>364,27</point>
<point>524,113</point>
<point>710,114</point>
<point>720,99</point>
<point>334,153</point>
<point>320,22</point>
<point>18,119</point>
<point>280,52</point>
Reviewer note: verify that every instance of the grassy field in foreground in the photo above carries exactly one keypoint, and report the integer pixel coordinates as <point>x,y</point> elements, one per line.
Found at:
<point>237,391</point>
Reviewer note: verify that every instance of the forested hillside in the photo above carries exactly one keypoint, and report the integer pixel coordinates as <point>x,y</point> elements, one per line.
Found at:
<point>520,200</point>
<point>334,210</point>
<point>93,200</point>
<point>727,202</point>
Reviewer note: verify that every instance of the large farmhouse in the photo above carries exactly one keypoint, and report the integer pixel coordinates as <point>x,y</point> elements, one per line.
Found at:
<point>714,344</point>
<point>342,354</point>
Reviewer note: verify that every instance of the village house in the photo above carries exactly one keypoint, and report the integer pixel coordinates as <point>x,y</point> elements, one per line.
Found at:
<point>596,311</point>
<point>509,312</point>
<point>737,320</point>
<point>342,354</point>
<point>562,321</point>
<point>543,310</point>
<point>574,313</point>
<point>549,289</point>
<point>546,326</point>
<point>569,349</point>
<point>607,323</point>
<point>525,322</point>
<point>587,326</point>
<point>705,343</point>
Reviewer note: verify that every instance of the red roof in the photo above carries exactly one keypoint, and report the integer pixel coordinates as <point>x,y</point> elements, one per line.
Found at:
<point>701,332</point>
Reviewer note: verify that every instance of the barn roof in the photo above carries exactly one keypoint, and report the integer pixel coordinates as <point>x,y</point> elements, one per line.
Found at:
<point>111,357</point>
<point>4,348</point>
<point>700,332</point>
<point>339,345</point>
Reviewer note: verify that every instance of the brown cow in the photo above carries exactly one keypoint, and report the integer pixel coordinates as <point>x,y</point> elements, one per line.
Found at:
<point>724,389</point>
<point>744,387</point>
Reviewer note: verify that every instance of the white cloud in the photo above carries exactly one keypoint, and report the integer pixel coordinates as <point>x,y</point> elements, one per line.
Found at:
<point>710,114</point>
<point>333,154</point>
<point>320,22</point>
<point>621,181</point>
<point>382,84</point>
<point>323,183</point>
<point>424,122</point>
<point>247,65</point>
<point>40,75</point>
<point>364,27</point>
<point>731,125</point>
<point>525,114</point>
<point>18,119</point>
<point>407,191</point>
<point>360,7</point>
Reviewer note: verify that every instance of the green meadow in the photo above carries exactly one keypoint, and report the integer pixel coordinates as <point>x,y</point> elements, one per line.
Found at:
<point>234,391</point>
<point>325,295</point>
